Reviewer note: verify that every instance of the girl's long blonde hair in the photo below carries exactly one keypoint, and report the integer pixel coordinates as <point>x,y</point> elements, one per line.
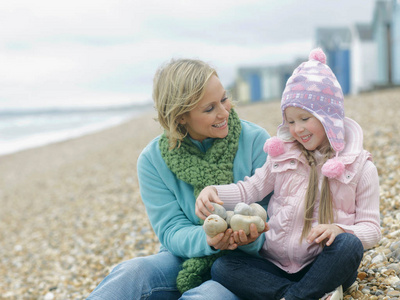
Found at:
<point>325,213</point>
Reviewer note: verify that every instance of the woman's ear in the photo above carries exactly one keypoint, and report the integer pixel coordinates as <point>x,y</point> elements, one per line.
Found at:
<point>182,120</point>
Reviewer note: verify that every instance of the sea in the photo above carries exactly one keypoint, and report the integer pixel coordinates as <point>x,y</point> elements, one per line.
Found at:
<point>30,128</point>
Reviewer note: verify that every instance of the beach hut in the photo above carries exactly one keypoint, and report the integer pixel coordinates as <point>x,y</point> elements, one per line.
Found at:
<point>271,82</point>
<point>396,41</point>
<point>362,58</point>
<point>255,84</point>
<point>265,83</point>
<point>249,84</point>
<point>336,42</point>
<point>382,33</point>
<point>240,90</point>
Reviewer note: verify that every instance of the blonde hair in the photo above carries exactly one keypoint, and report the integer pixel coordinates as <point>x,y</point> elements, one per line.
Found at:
<point>177,88</point>
<point>325,213</point>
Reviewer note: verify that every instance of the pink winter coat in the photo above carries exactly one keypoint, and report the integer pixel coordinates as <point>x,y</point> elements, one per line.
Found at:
<point>355,194</point>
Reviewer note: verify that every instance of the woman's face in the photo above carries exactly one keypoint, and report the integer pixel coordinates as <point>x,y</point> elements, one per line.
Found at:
<point>209,118</point>
<point>306,128</point>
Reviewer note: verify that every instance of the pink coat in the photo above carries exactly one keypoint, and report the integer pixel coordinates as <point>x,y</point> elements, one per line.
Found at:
<point>355,194</point>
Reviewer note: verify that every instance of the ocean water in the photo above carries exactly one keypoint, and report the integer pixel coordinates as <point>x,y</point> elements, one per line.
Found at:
<point>24,129</point>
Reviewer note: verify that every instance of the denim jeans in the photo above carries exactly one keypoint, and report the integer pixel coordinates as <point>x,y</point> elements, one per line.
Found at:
<point>256,278</point>
<point>153,277</point>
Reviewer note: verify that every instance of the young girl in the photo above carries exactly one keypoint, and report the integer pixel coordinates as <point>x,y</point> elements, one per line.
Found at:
<point>325,207</point>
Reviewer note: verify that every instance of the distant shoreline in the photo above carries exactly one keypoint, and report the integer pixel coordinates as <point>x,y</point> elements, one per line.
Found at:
<point>48,126</point>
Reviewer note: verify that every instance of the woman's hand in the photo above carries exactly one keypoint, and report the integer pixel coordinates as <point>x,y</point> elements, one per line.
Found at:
<point>222,241</point>
<point>242,239</point>
<point>204,207</point>
<point>322,232</point>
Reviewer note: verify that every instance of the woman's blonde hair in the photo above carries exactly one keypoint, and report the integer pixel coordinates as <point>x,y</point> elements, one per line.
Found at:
<point>177,88</point>
<point>325,212</point>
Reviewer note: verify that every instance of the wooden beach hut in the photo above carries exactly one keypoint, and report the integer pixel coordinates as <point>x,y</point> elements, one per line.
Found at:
<point>382,31</point>
<point>336,42</point>
<point>396,41</point>
<point>362,59</point>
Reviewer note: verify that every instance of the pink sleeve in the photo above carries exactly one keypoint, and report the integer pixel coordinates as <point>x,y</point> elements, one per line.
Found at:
<point>251,189</point>
<point>367,222</point>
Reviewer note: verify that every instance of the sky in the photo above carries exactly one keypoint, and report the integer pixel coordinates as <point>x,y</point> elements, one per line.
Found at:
<point>105,52</point>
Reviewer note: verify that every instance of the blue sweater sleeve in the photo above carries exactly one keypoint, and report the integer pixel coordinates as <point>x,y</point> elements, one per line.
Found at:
<point>167,201</point>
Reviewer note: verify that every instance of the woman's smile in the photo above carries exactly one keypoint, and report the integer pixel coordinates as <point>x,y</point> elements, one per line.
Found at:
<point>220,125</point>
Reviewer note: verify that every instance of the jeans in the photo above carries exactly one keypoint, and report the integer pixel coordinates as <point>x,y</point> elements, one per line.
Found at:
<point>253,278</point>
<point>153,277</point>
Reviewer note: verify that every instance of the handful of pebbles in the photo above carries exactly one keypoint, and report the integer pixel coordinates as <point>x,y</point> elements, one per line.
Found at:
<point>238,219</point>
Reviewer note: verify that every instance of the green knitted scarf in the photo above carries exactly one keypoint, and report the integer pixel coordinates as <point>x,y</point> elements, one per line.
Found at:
<point>214,167</point>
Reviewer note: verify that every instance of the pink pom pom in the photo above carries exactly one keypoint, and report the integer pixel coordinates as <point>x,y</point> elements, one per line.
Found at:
<point>318,54</point>
<point>333,168</point>
<point>274,146</point>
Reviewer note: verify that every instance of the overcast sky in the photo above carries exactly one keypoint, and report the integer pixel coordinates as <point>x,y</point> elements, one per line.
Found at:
<point>104,52</point>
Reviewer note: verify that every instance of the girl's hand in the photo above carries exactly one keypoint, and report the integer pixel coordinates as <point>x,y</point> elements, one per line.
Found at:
<point>322,232</point>
<point>242,239</point>
<point>204,207</point>
<point>222,241</point>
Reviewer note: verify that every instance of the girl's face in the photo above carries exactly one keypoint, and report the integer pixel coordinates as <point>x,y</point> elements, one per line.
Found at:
<point>209,118</point>
<point>306,128</point>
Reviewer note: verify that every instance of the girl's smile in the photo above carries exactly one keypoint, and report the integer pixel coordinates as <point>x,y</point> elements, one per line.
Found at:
<point>306,138</point>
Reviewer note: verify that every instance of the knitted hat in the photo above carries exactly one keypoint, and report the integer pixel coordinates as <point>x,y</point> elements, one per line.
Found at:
<point>314,88</point>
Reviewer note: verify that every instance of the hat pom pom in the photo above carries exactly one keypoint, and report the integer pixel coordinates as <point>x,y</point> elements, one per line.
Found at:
<point>333,168</point>
<point>274,146</point>
<point>318,54</point>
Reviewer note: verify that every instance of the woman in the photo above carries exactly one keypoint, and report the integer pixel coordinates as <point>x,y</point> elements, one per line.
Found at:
<point>204,143</point>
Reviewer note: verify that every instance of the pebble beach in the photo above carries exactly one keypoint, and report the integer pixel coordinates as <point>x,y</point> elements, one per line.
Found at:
<point>71,211</point>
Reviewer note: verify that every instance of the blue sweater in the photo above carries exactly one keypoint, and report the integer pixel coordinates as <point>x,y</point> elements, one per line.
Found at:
<point>170,203</point>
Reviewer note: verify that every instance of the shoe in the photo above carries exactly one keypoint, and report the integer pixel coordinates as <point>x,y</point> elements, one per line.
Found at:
<point>337,294</point>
